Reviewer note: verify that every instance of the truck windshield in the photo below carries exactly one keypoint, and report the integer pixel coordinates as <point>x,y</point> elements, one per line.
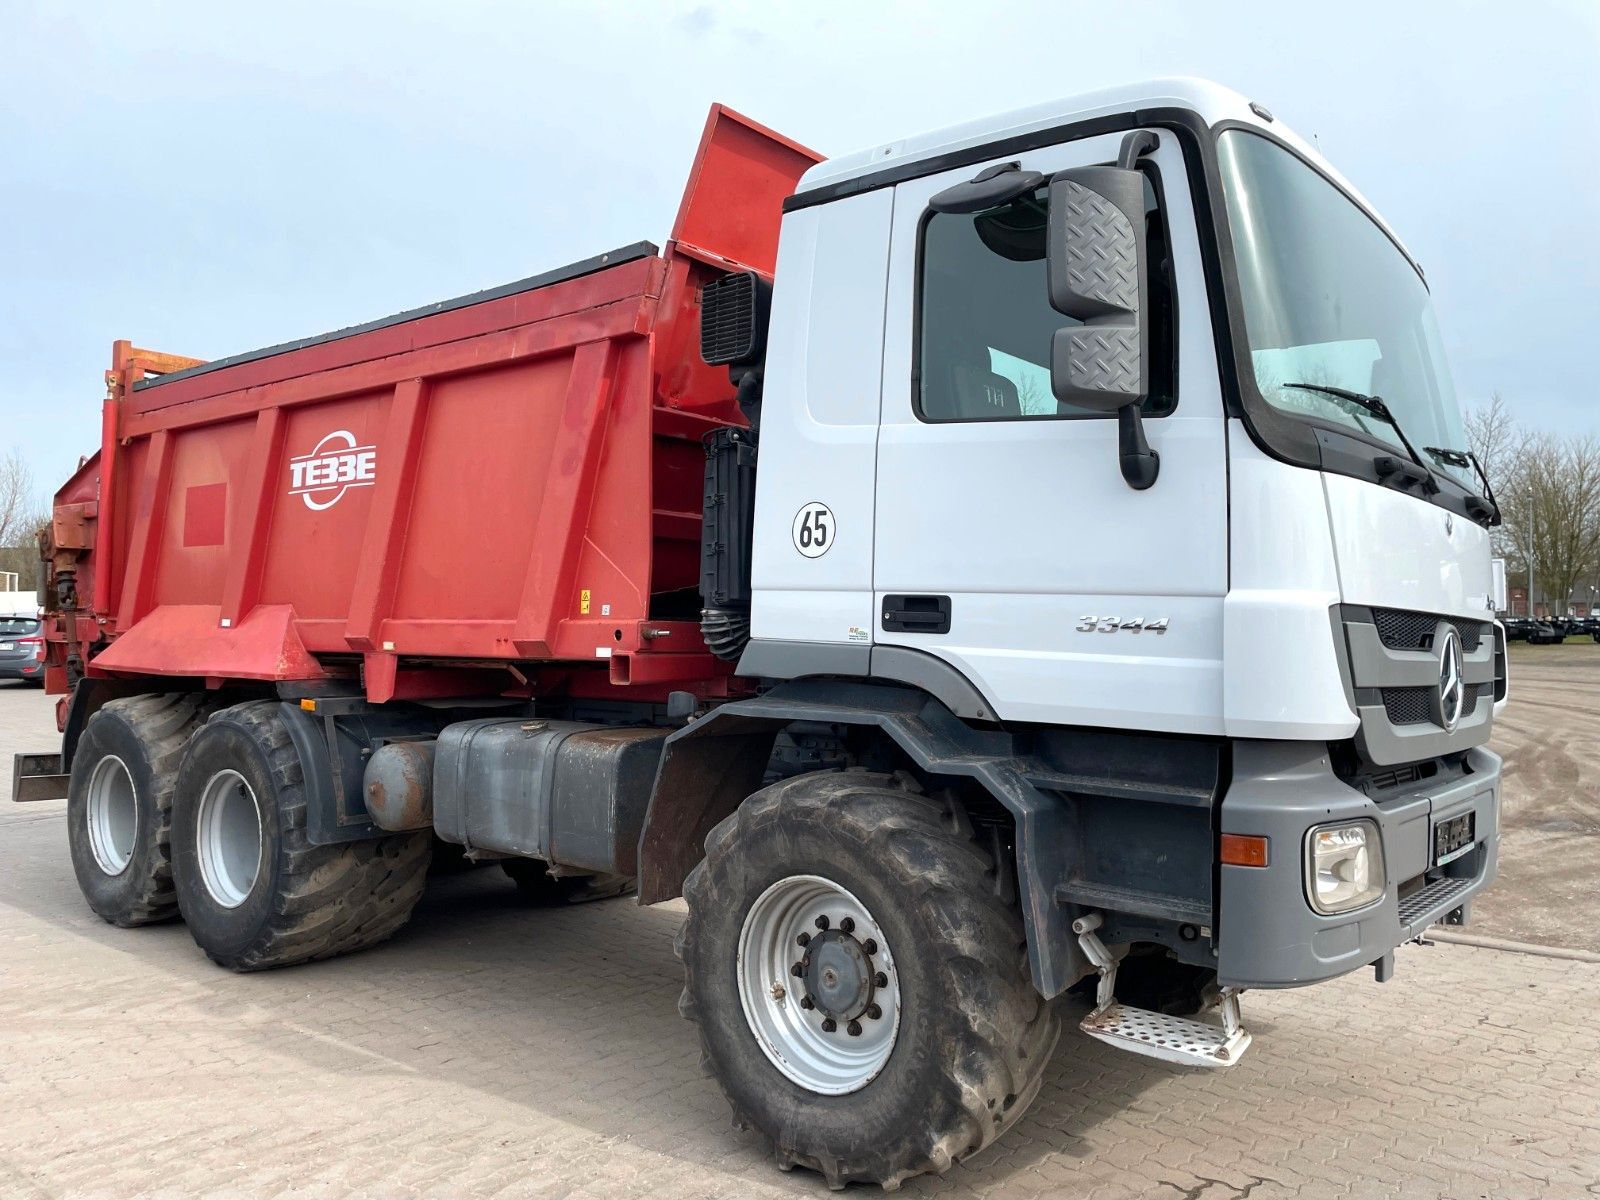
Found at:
<point>1330,300</point>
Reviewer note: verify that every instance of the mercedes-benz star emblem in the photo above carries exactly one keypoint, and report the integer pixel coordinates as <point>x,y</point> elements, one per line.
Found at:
<point>1452,686</point>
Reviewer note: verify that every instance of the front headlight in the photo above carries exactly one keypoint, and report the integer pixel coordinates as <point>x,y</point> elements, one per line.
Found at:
<point>1344,866</point>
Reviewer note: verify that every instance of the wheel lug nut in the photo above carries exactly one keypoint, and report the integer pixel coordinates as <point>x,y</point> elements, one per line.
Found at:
<point>847,925</point>
<point>804,940</point>
<point>853,1029</point>
<point>822,922</point>
<point>797,970</point>
<point>829,1024</point>
<point>880,980</point>
<point>874,1012</point>
<point>870,946</point>
<point>807,1002</point>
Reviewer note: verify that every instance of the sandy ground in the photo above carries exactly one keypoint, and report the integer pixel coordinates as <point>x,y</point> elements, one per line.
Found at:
<point>1549,735</point>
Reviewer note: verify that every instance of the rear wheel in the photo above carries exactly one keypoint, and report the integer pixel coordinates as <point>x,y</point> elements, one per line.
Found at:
<point>253,889</point>
<point>855,960</point>
<point>119,806</point>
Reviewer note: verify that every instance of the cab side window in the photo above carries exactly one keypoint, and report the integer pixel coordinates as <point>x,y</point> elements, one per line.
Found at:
<point>985,321</point>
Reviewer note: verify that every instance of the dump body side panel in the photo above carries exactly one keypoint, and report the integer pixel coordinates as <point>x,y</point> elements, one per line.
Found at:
<point>502,490</point>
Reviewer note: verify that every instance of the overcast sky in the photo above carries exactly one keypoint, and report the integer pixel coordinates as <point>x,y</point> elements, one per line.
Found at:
<point>210,178</point>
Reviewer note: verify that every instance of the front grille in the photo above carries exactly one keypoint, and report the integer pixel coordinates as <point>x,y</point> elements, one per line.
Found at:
<point>1407,706</point>
<point>1414,705</point>
<point>1400,629</point>
<point>1384,780</point>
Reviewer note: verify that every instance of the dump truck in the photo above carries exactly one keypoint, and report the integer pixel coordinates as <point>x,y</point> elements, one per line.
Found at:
<point>1037,556</point>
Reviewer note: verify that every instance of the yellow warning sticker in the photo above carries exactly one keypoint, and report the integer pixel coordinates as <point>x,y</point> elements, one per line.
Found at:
<point>583,602</point>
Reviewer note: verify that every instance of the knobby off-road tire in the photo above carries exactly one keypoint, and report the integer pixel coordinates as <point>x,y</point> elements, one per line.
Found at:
<point>973,1036</point>
<point>119,806</point>
<point>253,890</point>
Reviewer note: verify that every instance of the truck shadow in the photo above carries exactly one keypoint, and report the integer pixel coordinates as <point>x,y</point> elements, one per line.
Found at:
<point>572,1012</point>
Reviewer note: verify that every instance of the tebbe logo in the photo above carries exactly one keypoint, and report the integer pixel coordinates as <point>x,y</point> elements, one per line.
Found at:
<point>333,467</point>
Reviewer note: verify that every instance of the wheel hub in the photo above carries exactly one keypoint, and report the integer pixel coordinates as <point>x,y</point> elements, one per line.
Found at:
<point>112,815</point>
<point>228,829</point>
<point>838,975</point>
<point>818,984</point>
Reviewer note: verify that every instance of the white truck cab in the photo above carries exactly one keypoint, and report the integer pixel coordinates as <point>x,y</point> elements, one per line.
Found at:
<point>908,396</point>
<point>1120,431</point>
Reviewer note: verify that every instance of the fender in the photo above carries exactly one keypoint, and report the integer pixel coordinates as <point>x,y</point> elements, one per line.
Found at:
<point>708,768</point>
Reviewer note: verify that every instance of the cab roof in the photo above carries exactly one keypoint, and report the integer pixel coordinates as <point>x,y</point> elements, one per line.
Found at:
<point>1212,102</point>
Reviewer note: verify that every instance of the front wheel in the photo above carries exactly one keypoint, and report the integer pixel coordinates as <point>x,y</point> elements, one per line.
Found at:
<point>856,962</point>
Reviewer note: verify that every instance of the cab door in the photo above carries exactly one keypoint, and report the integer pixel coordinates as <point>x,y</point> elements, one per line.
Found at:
<point>1006,542</point>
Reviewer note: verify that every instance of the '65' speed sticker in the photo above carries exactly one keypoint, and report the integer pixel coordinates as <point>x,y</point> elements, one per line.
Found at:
<point>814,529</point>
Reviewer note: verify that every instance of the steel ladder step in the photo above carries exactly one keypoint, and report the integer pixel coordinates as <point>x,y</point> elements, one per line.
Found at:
<point>1172,1039</point>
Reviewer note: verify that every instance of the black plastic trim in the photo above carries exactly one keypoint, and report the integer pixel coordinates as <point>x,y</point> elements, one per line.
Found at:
<point>330,801</point>
<point>971,155</point>
<point>771,659</point>
<point>587,266</point>
<point>916,614</point>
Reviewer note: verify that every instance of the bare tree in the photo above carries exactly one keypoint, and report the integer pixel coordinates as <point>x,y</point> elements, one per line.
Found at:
<point>1493,435</point>
<point>1557,483</point>
<point>1499,443</point>
<point>22,512</point>
<point>19,505</point>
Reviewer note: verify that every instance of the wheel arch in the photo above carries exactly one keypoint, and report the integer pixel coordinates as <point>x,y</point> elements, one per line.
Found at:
<point>709,768</point>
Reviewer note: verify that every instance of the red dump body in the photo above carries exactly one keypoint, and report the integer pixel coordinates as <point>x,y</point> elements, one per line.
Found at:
<point>501,493</point>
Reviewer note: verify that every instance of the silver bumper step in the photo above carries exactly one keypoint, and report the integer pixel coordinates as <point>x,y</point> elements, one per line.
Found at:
<point>1173,1039</point>
<point>1179,1040</point>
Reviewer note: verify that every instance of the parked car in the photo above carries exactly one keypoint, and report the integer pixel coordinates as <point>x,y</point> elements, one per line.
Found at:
<point>19,649</point>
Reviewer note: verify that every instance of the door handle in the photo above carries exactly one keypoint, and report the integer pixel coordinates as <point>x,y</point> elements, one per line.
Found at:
<point>916,614</point>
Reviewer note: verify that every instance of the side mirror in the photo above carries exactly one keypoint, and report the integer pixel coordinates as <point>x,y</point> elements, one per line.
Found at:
<point>1098,274</point>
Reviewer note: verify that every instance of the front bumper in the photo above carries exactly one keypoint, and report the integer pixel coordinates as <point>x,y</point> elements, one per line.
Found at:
<point>1268,935</point>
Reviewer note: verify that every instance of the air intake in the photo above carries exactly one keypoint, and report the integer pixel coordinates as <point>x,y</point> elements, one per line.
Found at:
<point>733,319</point>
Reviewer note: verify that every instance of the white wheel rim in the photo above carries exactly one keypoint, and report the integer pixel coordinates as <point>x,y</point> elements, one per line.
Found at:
<point>228,832</point>
<point>793,1036</point>
<point>113,816</point>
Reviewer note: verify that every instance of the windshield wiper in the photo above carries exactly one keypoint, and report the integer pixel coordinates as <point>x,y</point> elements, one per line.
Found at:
<point>1368,404</point>
<point>1466,458</point>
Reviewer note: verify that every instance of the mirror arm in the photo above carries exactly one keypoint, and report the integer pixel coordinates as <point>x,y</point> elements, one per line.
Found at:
<point>1140,464</point>
<point>1139,142</point>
